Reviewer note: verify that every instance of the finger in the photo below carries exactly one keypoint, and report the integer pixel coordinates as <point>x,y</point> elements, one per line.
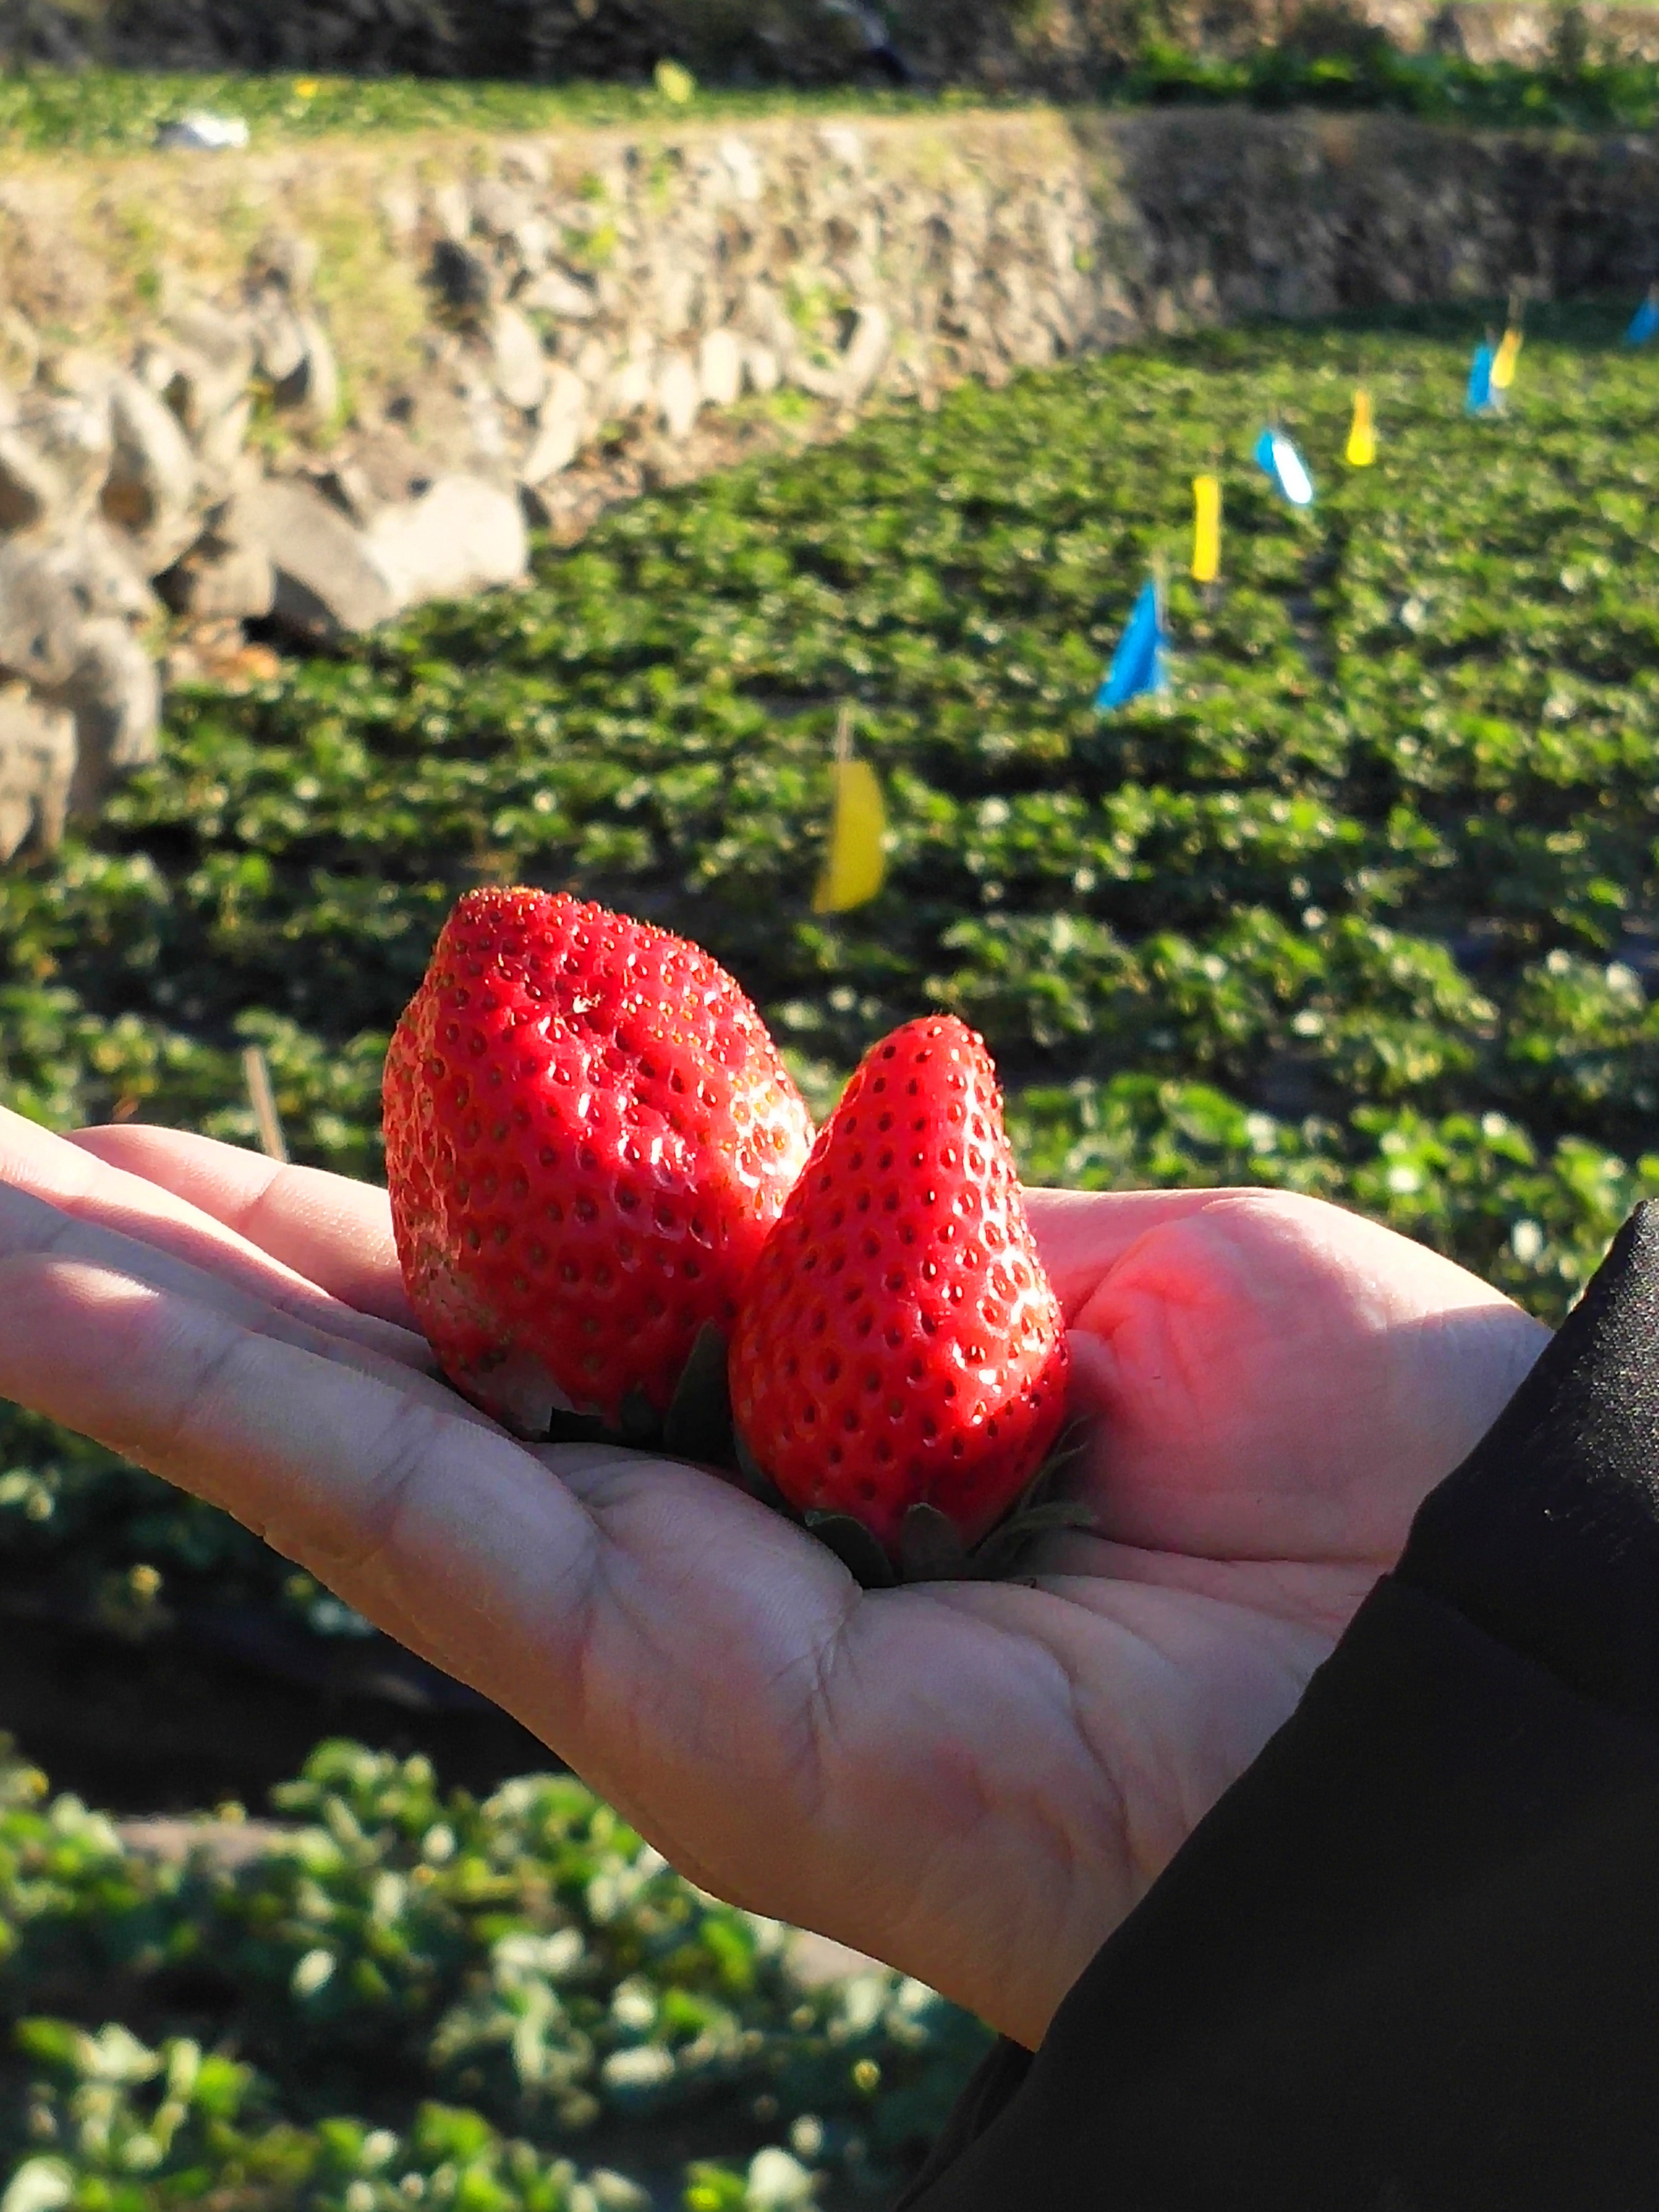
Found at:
<point>1082,1233</point>
<point>31,1229</point>
<point>333,1231</point>
<point>413,1510</point>
<point>68,1179</point>
<point>575,1613</point>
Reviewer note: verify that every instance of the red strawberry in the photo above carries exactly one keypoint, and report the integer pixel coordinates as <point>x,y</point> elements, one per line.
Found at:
<point>589,1135</point>
<point>899,1343</point>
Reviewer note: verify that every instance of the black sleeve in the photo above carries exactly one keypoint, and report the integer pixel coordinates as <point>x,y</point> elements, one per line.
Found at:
<point>1410,1962</point>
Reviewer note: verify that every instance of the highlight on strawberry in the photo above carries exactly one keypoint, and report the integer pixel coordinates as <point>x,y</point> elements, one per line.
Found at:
<point>589,1133</point>
<point>899,1362</point>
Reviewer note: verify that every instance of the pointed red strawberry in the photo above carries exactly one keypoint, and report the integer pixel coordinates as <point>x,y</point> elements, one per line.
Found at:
<point>899,1344</point>
<point>589,1134</point>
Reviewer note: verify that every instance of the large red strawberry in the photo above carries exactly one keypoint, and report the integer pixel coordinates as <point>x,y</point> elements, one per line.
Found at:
<point>589,1134</point>
<point>899,1344</point>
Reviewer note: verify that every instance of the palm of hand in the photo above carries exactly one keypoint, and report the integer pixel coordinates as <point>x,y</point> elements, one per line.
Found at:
<point>972,1781</point>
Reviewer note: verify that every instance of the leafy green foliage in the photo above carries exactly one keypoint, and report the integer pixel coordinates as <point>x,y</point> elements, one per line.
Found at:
<point>1367,72</point>
<point>120,111</point>
<point>1367,908</point>
<point>528,1962</point>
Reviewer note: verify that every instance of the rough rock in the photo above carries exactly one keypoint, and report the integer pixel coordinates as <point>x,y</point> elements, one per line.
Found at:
<point>286,262</point>
<point>114,695</point>
<point>452,210</point>
<point>531,245</point>
<point>40,617</point>
<point>20,350</point>
<point>100,568</point>
<point>680,396</point>
<point>556,292</point>
<point>842,143</point>
<point>743,167</point>
<point>866,351</point>
<point>520,365</point>
<point>220,582</point>
<point>497,210</point>
<point>151,485</point>
<point>386,467</point>
<point>560,427</point>
<point>526,160</point>
<point>37,771</point>
<point>464,535</point>
<point>719,364</point>
<point>219,449</point>
<point>201,367</point>
<point>635,386</point>
<point>400,207</point>
<point>54,456</point>
<point>313,386</point>
<point>328,581</point>
<point>201,131</point>
<point>760,368</point>
<point>279,339</point>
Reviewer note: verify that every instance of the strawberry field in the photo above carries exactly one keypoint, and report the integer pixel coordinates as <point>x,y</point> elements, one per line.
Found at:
<point>1367,905</point>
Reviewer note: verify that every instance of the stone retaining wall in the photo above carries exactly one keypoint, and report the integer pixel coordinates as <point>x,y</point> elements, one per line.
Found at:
<point>304,390</point>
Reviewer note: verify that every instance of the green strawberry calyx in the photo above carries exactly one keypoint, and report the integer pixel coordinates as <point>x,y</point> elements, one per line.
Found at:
<point>931,1547</point>
<point>697,1426</point>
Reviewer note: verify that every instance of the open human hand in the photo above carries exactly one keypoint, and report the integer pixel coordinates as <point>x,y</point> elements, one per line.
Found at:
<point>973,1781</point>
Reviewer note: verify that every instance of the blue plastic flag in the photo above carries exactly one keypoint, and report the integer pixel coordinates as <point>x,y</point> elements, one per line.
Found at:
<point>1140,663</point>
<point>1644,322</point>
<point>1276,454</point>
<point>1481,398</point>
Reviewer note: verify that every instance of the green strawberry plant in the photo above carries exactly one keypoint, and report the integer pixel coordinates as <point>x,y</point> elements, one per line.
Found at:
<point>527,1962</point>
<point>1368,907</point>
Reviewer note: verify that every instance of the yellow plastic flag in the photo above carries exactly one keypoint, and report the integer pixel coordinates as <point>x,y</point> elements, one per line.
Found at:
<point>856,865</point>
<point>1206,529</point>
<point>1504,361</point>
<point>1362,436</point>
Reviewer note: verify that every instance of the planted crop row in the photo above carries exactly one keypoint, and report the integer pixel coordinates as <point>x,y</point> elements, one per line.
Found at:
<point>524,1969</point>
<point>1366,908</point>
<point>1326,67</point>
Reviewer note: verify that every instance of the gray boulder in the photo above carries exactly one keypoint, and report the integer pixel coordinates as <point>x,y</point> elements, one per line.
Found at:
<point>203,366</point>
<point>463,534</point>
<point>151,485</point>
<point>520,365</point>
<point>556,292</point>
<point>680,396</point>
<point>99,568</point>
<point>559,427</point>
<point>37,770</point>
<point>40,617</point>
<point>114,695</point>
<point>221,582</point>
<point>54,456</point>
<point>328,580</point>
<point>295,355</point>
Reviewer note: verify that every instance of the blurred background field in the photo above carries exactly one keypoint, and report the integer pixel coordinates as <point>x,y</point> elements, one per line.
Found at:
<point>1329,61</point>
<point>1368,907</point>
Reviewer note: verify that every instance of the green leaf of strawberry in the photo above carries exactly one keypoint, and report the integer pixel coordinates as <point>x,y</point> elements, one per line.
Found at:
<point>589,1136</point>
<point>899,1346</point>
